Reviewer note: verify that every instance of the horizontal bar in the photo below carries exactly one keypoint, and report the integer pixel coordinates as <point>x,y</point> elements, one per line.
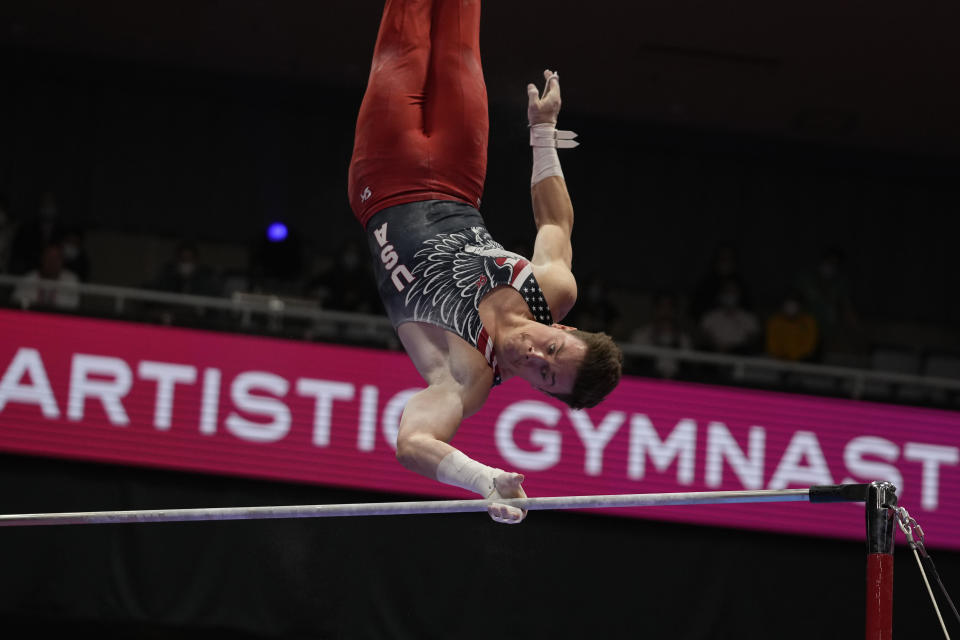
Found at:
<point>404,508</point>
<point>841,492</point>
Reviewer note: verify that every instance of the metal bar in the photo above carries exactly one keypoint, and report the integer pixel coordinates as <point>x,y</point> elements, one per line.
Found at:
<point>403,508</point>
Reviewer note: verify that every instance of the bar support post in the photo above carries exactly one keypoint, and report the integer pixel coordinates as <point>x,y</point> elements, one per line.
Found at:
<point>881,501</point>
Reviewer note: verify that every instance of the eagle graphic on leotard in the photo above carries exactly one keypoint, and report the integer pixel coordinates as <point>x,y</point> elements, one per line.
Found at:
<point>453,271</point>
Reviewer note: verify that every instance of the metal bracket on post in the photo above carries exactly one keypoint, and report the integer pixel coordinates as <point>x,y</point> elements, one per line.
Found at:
<point>881,516</point>
<point>881,502</point>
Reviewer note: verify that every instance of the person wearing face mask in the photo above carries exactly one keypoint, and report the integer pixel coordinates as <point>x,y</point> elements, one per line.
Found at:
<point>185,274</point>
<point>728,327</point>
<point>792,332</point>
<point>828,298</point>
<point>75,256</point>
<point>666,329</point>
<point>724,267</point>
<point>50,285</point>
<point>35,234</point>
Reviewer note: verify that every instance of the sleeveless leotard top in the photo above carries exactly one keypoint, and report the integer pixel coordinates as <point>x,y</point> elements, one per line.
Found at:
<point>435,261</point>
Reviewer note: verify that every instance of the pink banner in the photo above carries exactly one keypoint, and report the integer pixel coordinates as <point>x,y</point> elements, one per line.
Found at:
<point>258,407</point>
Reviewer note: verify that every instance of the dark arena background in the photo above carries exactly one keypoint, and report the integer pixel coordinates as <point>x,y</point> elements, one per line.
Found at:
<point>765,198</point>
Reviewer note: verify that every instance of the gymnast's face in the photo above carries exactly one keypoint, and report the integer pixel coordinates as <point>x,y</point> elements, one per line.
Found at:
<point>545,356</point>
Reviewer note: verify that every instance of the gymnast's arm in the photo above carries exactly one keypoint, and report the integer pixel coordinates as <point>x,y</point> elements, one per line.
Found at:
<point>553,215</point>
<point>552,208</point>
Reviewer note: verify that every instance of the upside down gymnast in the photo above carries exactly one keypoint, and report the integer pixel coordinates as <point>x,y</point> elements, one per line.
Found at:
<point>468,312</point>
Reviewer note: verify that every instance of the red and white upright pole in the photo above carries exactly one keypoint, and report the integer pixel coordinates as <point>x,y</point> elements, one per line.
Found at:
<point>881,501</point>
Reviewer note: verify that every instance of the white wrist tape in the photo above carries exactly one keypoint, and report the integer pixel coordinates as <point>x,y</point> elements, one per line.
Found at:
<point>460,471</point>
<point>547,135</point>
<point>545,140</point>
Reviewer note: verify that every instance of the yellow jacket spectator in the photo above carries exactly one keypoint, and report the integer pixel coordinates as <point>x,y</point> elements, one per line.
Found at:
<point>792,333</point>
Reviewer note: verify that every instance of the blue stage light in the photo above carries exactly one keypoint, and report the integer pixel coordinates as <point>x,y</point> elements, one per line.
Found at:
<point>277,232</point>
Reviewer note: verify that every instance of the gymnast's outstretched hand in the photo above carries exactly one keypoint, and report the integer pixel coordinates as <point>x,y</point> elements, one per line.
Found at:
<point>544,108</point>
<point>507,485</point>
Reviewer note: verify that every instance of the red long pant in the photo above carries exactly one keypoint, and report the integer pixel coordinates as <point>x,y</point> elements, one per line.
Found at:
<point>423,126</point>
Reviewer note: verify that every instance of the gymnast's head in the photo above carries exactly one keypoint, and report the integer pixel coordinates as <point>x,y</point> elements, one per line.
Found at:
<point>577,367</point>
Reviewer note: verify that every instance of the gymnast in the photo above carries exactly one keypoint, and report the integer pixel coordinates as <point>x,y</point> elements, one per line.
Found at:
<point>468,312</point>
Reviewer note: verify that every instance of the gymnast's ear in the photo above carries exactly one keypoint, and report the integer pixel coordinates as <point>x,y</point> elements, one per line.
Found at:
<point>563,326</point>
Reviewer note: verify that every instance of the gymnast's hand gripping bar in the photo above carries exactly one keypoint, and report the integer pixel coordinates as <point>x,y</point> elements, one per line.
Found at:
<point>829,493</point>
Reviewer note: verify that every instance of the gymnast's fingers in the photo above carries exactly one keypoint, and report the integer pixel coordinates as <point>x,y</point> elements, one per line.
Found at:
<point>505,514</point>
<point>552,84</point>
<point>533,95</point>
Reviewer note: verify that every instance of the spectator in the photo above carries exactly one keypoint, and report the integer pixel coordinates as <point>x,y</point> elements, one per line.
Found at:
<point>50,285</point>
<point>596,310</point>
<point>75,256</point>
<point>665,329</point>
<point>185,274</point>
<point>8,231</point>
<point>347,285</point>
<point>724,268</point>
<point>828,297</point>
<point>728,327</point>
<point>36,234</point>
<point>792,332</point>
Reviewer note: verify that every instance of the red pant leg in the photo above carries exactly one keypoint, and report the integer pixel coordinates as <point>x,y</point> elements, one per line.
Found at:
<point>456,116</point>
<point>389,132</point>
<point>422,129</point>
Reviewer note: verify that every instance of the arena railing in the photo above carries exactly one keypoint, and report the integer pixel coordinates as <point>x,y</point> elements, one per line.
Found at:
<point>243,311</point>
<point>855,382</point>
<point>272,313</point>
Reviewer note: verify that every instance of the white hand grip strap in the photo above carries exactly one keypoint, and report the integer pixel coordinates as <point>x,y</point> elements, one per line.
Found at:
<point>546,135</point>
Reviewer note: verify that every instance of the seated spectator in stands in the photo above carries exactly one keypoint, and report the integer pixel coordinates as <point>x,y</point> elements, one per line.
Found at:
<point>185,274</point>
<point>792,332</point>
<point>75,256</point>
<point>596,309</point>
<point>728,327</point>
<point>724,268</point>
<point>347,284</point>
<point>828,297</point>
<point>8,231</point>
<point>665,329</point>
<point>35,234</point>
<point>50,285</point>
